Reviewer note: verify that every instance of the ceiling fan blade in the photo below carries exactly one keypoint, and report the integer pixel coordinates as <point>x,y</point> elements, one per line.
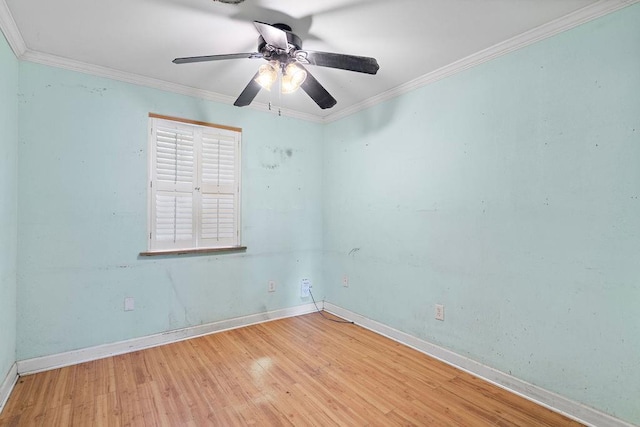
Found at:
<point>272,35</point>
<point>190,59</point>
<point>360,64</point>
<point>249,92</point>
<point>317,92</point>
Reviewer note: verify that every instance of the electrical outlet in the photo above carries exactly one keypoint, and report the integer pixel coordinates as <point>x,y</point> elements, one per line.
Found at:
<point>305,285</point>
<point>272,286</point>
<point>345,281</point>
<point>129,304</point>
<point>439,312</point>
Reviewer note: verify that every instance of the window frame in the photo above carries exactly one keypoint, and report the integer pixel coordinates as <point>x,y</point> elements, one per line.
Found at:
<point>198,127</point>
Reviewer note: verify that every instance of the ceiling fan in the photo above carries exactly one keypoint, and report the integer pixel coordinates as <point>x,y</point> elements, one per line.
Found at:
<point>283,51</point>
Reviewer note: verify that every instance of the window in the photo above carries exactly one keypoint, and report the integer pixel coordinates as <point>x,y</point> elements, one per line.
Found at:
<point>194,186</point>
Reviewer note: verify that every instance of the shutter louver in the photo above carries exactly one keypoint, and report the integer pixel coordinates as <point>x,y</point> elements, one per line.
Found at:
<point>174,156</point>
<point>218,216</point>
<point>218,161</point>
<point>174,217</point>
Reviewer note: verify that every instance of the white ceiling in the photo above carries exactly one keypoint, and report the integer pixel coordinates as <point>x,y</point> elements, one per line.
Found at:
<point>411,39</point>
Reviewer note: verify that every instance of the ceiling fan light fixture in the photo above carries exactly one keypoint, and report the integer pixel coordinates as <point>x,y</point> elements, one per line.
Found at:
<point>267,75</point>
<point>282,49</point>
<point>292,78</point>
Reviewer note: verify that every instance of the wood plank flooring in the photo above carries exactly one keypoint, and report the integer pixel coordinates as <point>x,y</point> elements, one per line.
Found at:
<point>293,372</point>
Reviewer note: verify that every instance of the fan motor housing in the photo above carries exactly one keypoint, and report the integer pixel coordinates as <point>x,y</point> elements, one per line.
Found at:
<point>269,53</point>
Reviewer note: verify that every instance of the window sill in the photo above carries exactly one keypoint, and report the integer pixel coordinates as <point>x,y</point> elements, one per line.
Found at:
<point>202,251</point>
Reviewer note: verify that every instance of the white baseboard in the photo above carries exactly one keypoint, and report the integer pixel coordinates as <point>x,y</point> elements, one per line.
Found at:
<point>45,363</point>
<point>548,399</point>
<point>7,385</point>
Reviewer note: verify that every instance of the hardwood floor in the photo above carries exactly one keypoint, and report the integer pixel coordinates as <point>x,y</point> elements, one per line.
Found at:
<point>299,371</point>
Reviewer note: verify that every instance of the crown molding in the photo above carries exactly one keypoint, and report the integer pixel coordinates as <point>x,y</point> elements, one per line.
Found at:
<point>567,22</point>
<point>113,74</point>
<point>579,17</point>
<point>10,30</point>
<point>110,73</point>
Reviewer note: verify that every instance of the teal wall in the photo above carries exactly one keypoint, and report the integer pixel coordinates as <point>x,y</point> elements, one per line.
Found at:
<point>83,216</point>
<point>510,193</point>
<point>8,204</point>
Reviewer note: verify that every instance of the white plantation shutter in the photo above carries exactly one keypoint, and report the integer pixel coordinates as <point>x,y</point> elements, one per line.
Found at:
<point>219,173</point>
<point>194,198</point>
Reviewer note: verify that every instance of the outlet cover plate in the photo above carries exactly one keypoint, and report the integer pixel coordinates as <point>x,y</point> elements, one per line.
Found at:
<point>272,286</point>
<point>439,312</point>
<point>305,285</point>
